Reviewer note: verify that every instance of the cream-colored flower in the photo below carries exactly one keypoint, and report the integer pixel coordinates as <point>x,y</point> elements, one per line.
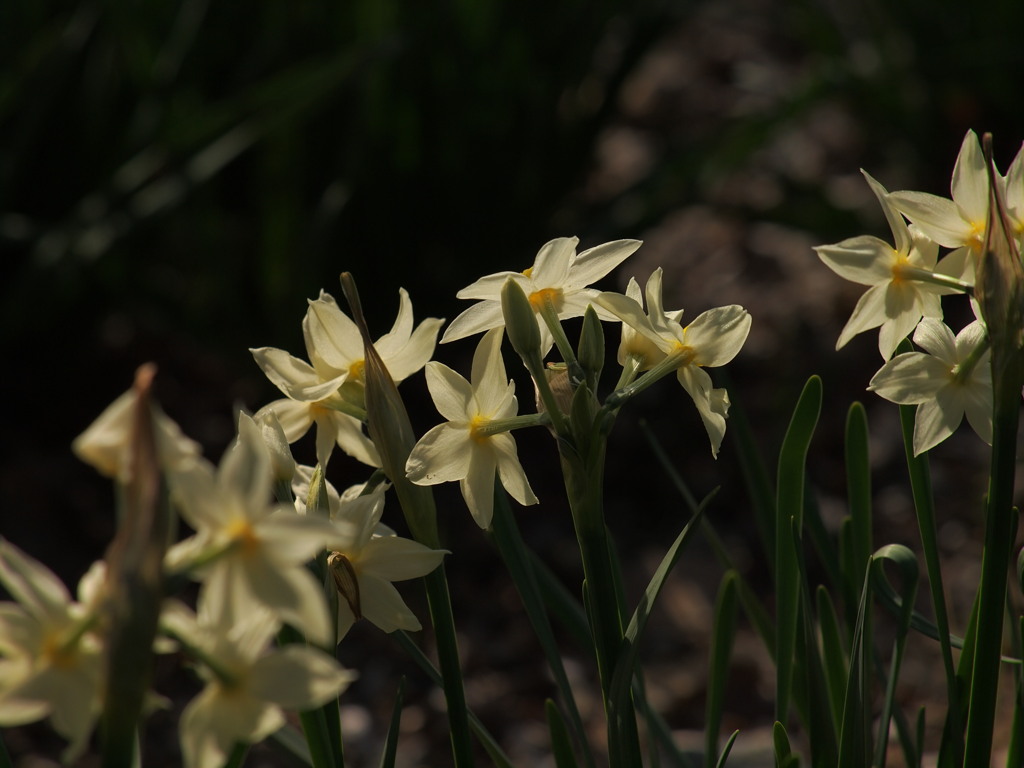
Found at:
<point>712,339</point>
<point>105,443</point>
<point>247,551</point>
<point>465,448</point>
<point>900,293</point>
<point>328,390</point>
<point>950,378</point>
<point>559,277</point>
<point>50,658</point>
<point>249,682</point>
<point>365,558</point>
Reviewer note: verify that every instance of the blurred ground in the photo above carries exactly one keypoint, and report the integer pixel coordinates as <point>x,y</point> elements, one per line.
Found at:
<point>726,135</point>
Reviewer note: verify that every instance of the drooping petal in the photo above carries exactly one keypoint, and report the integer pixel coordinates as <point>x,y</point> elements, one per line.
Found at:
<point>633,315</point>
<point>349,436</point>
<point>440,456</point>
<point>977,398</point>
<point>903,312</point>
<point>510,471</point>
<point>936,420</point>
<point>712,404</point>
<point>384,607</point>
<point>292,594</point>
<point>477,486</point>
<point>294,416</point>
<point>868,313</point>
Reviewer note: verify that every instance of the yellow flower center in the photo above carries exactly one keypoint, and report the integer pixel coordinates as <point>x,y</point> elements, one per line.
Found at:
<point>57,653</point>
<point>475,429</point>
<point>243,537</point>
<point>539,298</point>
<point>898,268</point>
<point>976,239</point>
<point>355,371</point>
<point>684,353</point>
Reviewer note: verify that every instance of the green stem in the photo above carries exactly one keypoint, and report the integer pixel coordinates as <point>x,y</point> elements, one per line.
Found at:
<point>995,561</point>
<point>924,506</point>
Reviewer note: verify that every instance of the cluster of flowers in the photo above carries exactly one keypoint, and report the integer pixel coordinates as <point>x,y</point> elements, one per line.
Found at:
<point>907,280</point>
<point>251,554</point>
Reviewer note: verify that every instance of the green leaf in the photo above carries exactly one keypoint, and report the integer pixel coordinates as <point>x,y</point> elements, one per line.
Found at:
<point>723,632</point>
<point>619,690</point>
<point>561,744</point>
<point>780,741</point>
<point>789,509</point>
<point>834,658</point>
<point>387,757</point>
<point>728,748</point>
<point>855,733</point>
<point>514,552</point>
<point>858,494</point>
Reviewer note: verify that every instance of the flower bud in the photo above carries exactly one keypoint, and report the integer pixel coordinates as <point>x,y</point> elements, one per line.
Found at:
<point>520,320</point>
<point>591,346</point>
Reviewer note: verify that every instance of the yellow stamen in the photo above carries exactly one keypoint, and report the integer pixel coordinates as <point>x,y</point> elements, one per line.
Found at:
<point>355,371</point>
<point>475,425</point>
<point>684,353</point>
<point>59,654</point>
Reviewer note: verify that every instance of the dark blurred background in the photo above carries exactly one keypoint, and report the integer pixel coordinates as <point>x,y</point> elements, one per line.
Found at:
<point>177,177</point>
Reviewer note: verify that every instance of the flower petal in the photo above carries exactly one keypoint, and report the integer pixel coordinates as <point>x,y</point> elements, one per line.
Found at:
<point>594,263</point>
<point>298,678</point>
<point>394,558</point>
<point>441,455</point>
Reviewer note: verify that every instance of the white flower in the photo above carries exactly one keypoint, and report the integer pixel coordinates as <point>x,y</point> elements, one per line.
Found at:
<point>952,377</point>
<point>248,681</point>
<point>247,551</point>
<point>329,389</point>
<point>960,222</point>
<point>366,557</point>
<point>712,339</point>
<point>558,276</point>
<point>51,663</point>
<point>105,443</point>
<point>463,448</point>
<point>899,295</point>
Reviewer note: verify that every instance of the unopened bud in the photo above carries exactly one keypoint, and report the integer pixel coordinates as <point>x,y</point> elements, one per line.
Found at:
<point>520,320</point>
<point>591,346</point>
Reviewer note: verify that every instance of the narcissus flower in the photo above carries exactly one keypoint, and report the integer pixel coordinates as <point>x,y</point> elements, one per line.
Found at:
<point>248,681</point>
<point>470,446</point>
<point>365,558</point>
<point>950,378</point>
<point>50,657</point>
<point>712,339</point>
<point>559,278</point>
<point>247,551</point>
<point>959,222</point>
<point>105,443</point>
<point>904,278</point>
<point>328,390</point>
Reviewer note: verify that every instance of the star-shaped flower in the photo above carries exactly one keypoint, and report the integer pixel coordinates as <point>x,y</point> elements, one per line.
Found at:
<point>465,448</point>
<point>248,681</point>
<point>950,378</point>
<point>247,551</point>
<point>900,293</point>
<point>328,390</point>
<point>712,339</point>
<point>559,277</point>
<point>50,656</point>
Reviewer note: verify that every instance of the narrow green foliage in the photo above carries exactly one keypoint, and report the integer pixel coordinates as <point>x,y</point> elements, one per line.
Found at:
<point>723,633</point>
<point>789,518</point>
<point>516,557</point>
<point>855,733</point>
<point>834,659</point>
<point>905,561</point>
<point>390,751</point>
<point>780,740</point>
<point>561,744</point>
<point>290,741</point>
<point>858,496</point>
<point>726,750</point>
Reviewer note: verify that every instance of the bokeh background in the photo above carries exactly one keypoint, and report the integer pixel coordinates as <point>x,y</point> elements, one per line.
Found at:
<point>177,177</point>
